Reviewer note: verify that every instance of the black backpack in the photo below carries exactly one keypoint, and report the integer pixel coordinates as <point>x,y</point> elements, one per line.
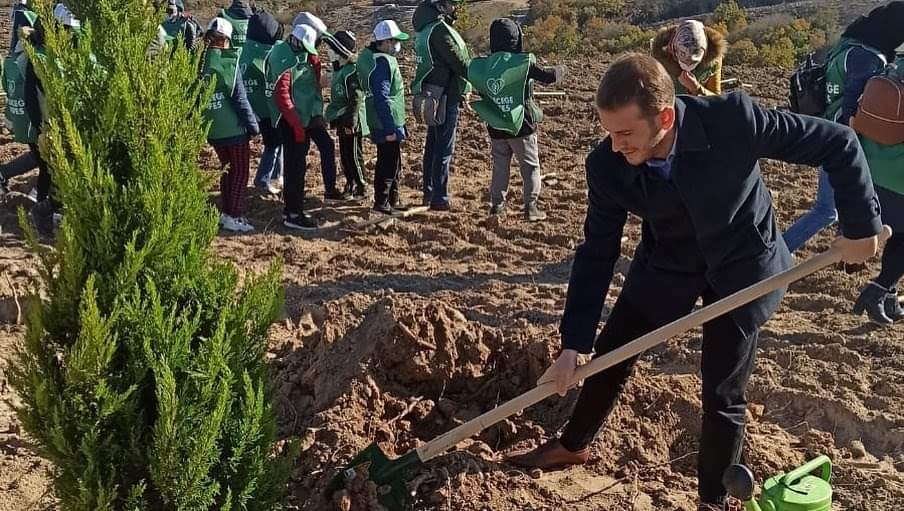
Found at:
<point>808,87</point>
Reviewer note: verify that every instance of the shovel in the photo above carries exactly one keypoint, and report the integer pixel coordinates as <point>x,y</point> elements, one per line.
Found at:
<point>390,475</point>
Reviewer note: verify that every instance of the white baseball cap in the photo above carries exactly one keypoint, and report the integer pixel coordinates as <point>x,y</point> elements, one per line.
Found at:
<point>63,15</point>
<point>307,36</point>
<point>388,29</point>
<point>220,26</point>
<point>306,18</point>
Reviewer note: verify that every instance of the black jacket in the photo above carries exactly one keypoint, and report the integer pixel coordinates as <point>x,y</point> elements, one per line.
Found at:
<point>717,175</point>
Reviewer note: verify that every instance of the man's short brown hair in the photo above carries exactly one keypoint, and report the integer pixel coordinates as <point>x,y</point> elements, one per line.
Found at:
<point>636,78</point>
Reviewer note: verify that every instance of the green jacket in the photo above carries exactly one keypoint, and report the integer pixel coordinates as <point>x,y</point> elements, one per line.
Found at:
<point>450,60</point>
<point>346,108</point>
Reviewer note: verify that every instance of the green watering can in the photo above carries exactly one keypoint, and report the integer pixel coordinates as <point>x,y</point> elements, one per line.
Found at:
<point>797,490</point>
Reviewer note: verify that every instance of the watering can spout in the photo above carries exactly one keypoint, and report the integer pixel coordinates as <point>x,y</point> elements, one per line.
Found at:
<point>739,482</point>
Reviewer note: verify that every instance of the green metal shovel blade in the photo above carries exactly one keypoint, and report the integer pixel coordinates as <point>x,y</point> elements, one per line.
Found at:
<point>389,475</point>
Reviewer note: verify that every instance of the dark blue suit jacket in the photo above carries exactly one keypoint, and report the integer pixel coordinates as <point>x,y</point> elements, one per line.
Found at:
<point>717,174</point>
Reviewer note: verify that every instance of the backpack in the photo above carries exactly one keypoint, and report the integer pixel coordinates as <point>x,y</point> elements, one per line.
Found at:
<point>880,115</point>
<point>808,87</point>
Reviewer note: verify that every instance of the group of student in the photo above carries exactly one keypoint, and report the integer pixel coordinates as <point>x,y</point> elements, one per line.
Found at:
<point>271,85</point>
<point>274,86</point>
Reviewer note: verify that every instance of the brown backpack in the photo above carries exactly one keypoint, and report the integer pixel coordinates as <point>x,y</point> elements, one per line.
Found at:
<point>881,114</point>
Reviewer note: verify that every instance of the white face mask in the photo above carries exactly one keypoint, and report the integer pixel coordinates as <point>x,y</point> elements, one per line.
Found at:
<point>332,55</point>
<point>396,47</point>
<point>688,67</point>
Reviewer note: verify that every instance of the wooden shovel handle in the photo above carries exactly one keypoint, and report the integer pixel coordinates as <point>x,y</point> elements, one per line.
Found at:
<point>447,440</point>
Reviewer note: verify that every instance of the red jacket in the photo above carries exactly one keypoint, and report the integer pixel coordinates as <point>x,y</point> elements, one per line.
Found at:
<point>282,95</point>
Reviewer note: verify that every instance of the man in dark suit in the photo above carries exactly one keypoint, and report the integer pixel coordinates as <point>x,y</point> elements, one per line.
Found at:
<point>688,167</point>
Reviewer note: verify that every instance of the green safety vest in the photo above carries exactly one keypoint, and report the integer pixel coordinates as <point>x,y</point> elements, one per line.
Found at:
<point>836,75</point>
<point>239,29</point>
<point>702,74</point>
<point>14,85</point>
<point>173,27</point>
<point>341,98</point>
<point>505,90</point>
<point>306,93</point>
<point>253,64</point>
<point>424,56</point>
<point>222,65</point>
<point>367,62</point>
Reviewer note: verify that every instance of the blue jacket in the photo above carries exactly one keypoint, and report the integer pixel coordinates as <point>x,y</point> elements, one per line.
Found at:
<point>381,85</point>
<point>860,65</point>
<point>717,176</point>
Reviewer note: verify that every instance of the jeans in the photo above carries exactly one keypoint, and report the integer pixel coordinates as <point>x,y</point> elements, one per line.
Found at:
<point>726,366</point>
<point>271,165</point>
<point>820,216</point>
<point>438,157</point>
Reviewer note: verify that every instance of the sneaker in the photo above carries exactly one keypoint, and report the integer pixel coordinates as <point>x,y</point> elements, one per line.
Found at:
<point>872,302</point>
<point>334,194</point>
<point>533,214</point>
<point>302,222</point>
<point>233,224</point>
<point>497,209</point>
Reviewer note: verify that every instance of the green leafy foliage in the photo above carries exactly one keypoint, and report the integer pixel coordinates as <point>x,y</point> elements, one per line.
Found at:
<point>142,374</point>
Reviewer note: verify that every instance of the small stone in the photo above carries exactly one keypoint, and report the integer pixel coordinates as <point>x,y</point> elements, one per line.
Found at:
<point>535,473</point>
<point>757,410</point>
<point>857,449</point>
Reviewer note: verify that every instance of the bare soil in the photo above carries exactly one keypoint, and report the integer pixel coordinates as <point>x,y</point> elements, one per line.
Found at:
<point>397,334</point>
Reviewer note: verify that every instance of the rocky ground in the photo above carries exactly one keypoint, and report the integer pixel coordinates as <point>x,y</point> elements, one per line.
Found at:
<point>396,335</point>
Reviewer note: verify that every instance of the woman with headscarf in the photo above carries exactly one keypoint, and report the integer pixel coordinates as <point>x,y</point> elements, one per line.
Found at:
<point>692,54</point>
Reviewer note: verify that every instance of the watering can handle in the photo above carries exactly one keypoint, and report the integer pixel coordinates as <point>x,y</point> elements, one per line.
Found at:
<point>712,311</point>
<point>821,462</point>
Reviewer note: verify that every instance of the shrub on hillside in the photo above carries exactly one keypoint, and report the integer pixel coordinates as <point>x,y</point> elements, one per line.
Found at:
<point>730,15</point>
<point>620,37</point>
<point>742,52</point>
<point>780,53</point>
<point>552,35</point>
<point>142,376</point>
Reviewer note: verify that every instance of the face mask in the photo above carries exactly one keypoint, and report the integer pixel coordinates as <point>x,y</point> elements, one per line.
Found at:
<point>396,48</point>
<point>688,67</point>
<point>332,56</point>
